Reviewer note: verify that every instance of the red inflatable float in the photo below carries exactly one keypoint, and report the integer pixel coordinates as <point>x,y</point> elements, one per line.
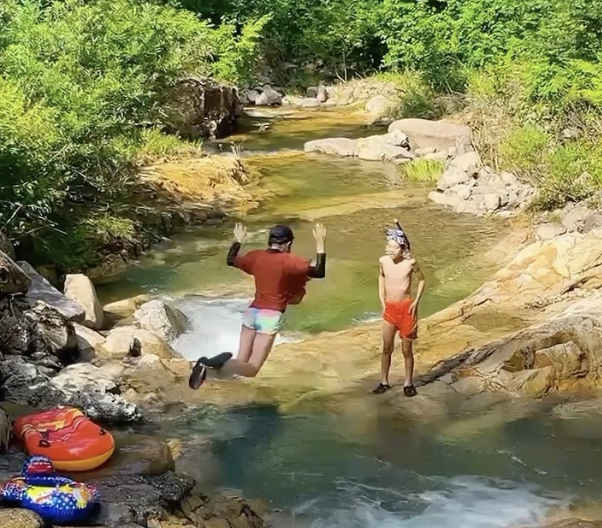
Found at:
<point>67,437</point>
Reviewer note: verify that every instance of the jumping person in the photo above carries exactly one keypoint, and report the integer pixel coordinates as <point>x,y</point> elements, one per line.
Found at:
<point>397,267</point>
<point>280,279</point>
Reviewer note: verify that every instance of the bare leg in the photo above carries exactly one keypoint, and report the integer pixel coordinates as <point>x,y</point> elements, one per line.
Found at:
<point>408,359</point>
<point>262,346</point>
<point>388,346</point>
<point>245,346</point>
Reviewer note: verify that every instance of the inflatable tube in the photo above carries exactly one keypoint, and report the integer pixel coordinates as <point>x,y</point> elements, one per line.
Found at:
<point>67,437</point>
<point>58,500</point>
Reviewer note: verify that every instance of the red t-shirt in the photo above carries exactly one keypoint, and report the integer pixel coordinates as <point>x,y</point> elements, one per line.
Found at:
<point>278,277</point>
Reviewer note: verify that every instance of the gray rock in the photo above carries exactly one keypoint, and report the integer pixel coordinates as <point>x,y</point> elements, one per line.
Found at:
<point>379,106</point>
<point>83,386</point>
<point>134,498</point>
<point>88,342</point>
<point>268,97</point>
<point>333,146</point>
<point>451,177</point>
<point>322,94</point>
<point>53,330</point>
<point>424,133</point>
<point>309,102</point>
<point>469,162</point>
<point>80,289</point>
<point>549,231</point>
<point>381,148</point>
<point>161,319</point>
<point>312,92</point>
<point>42,290</point>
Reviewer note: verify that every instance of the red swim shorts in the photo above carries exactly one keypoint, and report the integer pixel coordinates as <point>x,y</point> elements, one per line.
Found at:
<point>398,314</point>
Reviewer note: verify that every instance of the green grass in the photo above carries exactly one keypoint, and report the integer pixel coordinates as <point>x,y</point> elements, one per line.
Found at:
<point>156,144</point>
<point>423,170</point>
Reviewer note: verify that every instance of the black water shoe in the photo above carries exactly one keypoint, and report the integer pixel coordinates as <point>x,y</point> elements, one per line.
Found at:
<point>216,362</point>
<point>198,376</point>
<point>382,388</point>
<point>409,391</point>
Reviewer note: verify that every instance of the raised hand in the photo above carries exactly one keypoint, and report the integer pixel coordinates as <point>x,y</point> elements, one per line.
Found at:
<point>240,233</point>
<point>319,233</point>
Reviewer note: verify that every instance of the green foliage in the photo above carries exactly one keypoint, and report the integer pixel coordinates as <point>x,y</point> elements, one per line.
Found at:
<point>83,86</point>
<point>423,170</point>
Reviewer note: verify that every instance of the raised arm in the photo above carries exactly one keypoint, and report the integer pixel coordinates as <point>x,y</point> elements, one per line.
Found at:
<point>317,270</point>
<point>233,259</point>
<point>233,253</point>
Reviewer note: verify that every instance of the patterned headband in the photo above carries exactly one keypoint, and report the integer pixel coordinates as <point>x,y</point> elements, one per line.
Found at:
<point>397,235</point>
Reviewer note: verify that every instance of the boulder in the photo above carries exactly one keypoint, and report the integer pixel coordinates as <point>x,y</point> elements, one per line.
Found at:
<point>424,133</point>
<point>250,96</point>
<point>13,279</point>
<point>309,103</point>
<point>470,162</point>
<point>203,108</point>
<point>268,97</point>
<point>381,148</point>
<point>161,319</point>
<point>333,146</point>
<point>379,107</point>
<point>94,390</point>
<point>80,289</point>
<point>549,231</point>
<point>220,511</point>
<point>19,518</point>
<point>42,290</point>
<point>322,94</point>
<point>151,361</point>
<point>128,500</point>
<point>89,342</point>
<point>51,328</point>
<point>466,189</point>
<point>312,92</point>
<point>140,456</point>
<point>123,340</point>
<point>385,147</point>
<point>122,311</point>
<point>6,246</point>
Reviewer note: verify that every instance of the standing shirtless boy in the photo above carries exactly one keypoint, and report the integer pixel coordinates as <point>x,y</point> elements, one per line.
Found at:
<point>397,268</point>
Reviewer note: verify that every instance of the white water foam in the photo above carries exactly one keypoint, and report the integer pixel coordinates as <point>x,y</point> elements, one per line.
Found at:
<point>463,502</point>
<point>215,326</point>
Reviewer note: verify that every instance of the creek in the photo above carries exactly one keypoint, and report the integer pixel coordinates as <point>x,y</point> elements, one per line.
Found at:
<point>366,468</point>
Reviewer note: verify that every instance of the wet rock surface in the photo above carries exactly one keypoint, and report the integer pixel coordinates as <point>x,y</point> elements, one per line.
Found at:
<point>140,489</point>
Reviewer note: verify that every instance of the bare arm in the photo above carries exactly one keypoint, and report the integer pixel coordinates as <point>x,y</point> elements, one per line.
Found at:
<point>421,280</point>
<point>381,285</point>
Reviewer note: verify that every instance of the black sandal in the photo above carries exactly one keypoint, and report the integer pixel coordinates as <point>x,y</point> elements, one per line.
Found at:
<point>198,376</point>
<point>409,391</point>
<point>382,388</point>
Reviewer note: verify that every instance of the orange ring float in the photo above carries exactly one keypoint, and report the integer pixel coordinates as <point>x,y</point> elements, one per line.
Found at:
<point>67,437</point>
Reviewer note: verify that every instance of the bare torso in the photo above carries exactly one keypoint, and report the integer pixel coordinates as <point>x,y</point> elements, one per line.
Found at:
<point>397,277</point>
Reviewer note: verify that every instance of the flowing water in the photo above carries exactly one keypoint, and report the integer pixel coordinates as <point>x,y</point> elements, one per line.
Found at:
<point>368,468</point>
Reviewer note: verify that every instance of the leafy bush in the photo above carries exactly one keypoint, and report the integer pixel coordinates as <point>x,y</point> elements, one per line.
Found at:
<point>82,92</point>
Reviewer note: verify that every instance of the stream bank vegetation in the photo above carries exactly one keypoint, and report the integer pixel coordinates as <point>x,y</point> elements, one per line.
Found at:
<point>83,88</point>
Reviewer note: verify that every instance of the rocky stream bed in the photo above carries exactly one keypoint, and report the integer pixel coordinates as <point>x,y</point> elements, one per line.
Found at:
<point>531,331</point>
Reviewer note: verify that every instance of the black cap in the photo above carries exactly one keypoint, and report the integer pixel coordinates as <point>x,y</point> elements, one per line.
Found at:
<point>280,234</point>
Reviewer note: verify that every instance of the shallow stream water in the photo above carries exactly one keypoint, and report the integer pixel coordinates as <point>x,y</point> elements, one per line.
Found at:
<point>365,469</point>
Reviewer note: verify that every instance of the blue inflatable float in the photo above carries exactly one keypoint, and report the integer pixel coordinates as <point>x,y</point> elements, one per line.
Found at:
<point>58,500</point>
